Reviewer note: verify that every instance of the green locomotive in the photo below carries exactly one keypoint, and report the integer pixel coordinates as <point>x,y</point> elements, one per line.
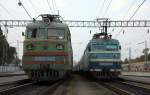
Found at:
<point>47,53</point>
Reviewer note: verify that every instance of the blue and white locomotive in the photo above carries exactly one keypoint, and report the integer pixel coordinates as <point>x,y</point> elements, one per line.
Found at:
<point>102,57</point>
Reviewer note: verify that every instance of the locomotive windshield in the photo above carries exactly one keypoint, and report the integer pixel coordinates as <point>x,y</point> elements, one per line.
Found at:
<point>106,56</point>
<point>105,47</point>
<point>57,33</point>
<point>45,33</point>
<point>36,33</point>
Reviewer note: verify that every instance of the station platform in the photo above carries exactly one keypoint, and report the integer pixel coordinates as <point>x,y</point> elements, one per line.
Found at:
<point>11,74</point>
<point>141,74</point>
<point>11,77</point>
<point>4,80</point>
<point>143,77</point>
<point>15,73</point>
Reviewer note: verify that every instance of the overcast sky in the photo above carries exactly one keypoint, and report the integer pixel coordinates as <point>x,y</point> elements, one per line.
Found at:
<point>83,10</point>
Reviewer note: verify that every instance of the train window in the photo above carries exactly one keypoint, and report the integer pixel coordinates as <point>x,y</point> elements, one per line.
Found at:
<point>41,33</point>
<point>111,47</point>
<point>98,47</point>
<point>34,31</point>
<point>56,33</point>
<point>89,48</point>
<point>106,56</point>
<point>119,47</point>
<point>31,33</point>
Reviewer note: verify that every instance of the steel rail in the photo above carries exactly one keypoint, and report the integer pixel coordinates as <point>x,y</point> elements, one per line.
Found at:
<point>52,88</point>
<point>115,89</point>
<point>12,75</point>
<point>14,82</point>
<point>135,85</point>
<point>11,90</point>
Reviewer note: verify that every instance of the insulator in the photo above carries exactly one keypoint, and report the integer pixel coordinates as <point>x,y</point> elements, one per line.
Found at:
<point>123,31</point>
<point>19,3</point>
<point>148,31</point>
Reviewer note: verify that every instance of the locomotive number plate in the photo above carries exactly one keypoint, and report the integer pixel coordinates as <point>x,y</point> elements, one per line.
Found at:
<point>45,58</point>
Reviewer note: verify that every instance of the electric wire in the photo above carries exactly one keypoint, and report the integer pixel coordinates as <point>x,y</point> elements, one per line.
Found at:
<point>49,6</point>
<point>132,15</point>
<point>30,1</point>
<point>55,5</point>
<point>132,4</point>
<point>125,16</point>
<point>7,11</point>
<point>104,1</point>
<point>137,9</point>
<point>107,8</point>
<point>56,8</point>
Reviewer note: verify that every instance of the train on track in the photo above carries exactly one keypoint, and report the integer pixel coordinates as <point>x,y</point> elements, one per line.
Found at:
<point>47,53</point>
<point>102,57</point>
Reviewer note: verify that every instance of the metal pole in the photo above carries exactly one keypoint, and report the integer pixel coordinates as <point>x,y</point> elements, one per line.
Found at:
<point>17,54</point>
<point>18,47</point>
<point>146,52</point>
<point>6,32</point>
<point>129,58</point>
<point>3,55</point>
<point>129,53</point>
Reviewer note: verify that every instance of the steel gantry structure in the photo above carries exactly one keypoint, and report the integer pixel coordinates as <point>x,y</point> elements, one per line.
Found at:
<point>74,23</point>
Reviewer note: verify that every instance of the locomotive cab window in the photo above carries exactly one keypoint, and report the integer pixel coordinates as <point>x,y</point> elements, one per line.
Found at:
<point>56,33</point>
<point>41,33</point>
<point>36,33</point>
<point>31,33</point>
<point>112,47</point>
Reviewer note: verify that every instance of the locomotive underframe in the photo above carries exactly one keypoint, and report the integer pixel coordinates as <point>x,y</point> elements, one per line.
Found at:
<point>105,74</point>
<point>47,72</point>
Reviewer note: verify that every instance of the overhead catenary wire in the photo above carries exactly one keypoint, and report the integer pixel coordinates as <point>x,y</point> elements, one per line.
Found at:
<point>104,1</point>
<point>107,8</point>
<point>49,6</point>
<point>137,9</point>
<point>30,1</point>
<point>53,4</point>
<point>7,11</point>
<point>133,15</point>
<point>56,8</point>
<point>132,4</point>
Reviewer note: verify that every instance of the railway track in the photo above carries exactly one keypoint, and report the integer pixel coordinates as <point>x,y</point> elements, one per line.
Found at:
<point>136,87</point>
<point>127,87</point>
<point>13,84</point>
<point>114,88</point>
<point>60,88</point>
<point>32,88</point>
<point>52,89</point>
<point>11,90</point>
<point>11,75</point>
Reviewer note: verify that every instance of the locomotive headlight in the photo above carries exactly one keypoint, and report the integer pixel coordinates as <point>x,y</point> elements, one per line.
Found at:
<point>60,37</point>
<point>115,56</point>
<point>60,47</point>
<point>30,46</point>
